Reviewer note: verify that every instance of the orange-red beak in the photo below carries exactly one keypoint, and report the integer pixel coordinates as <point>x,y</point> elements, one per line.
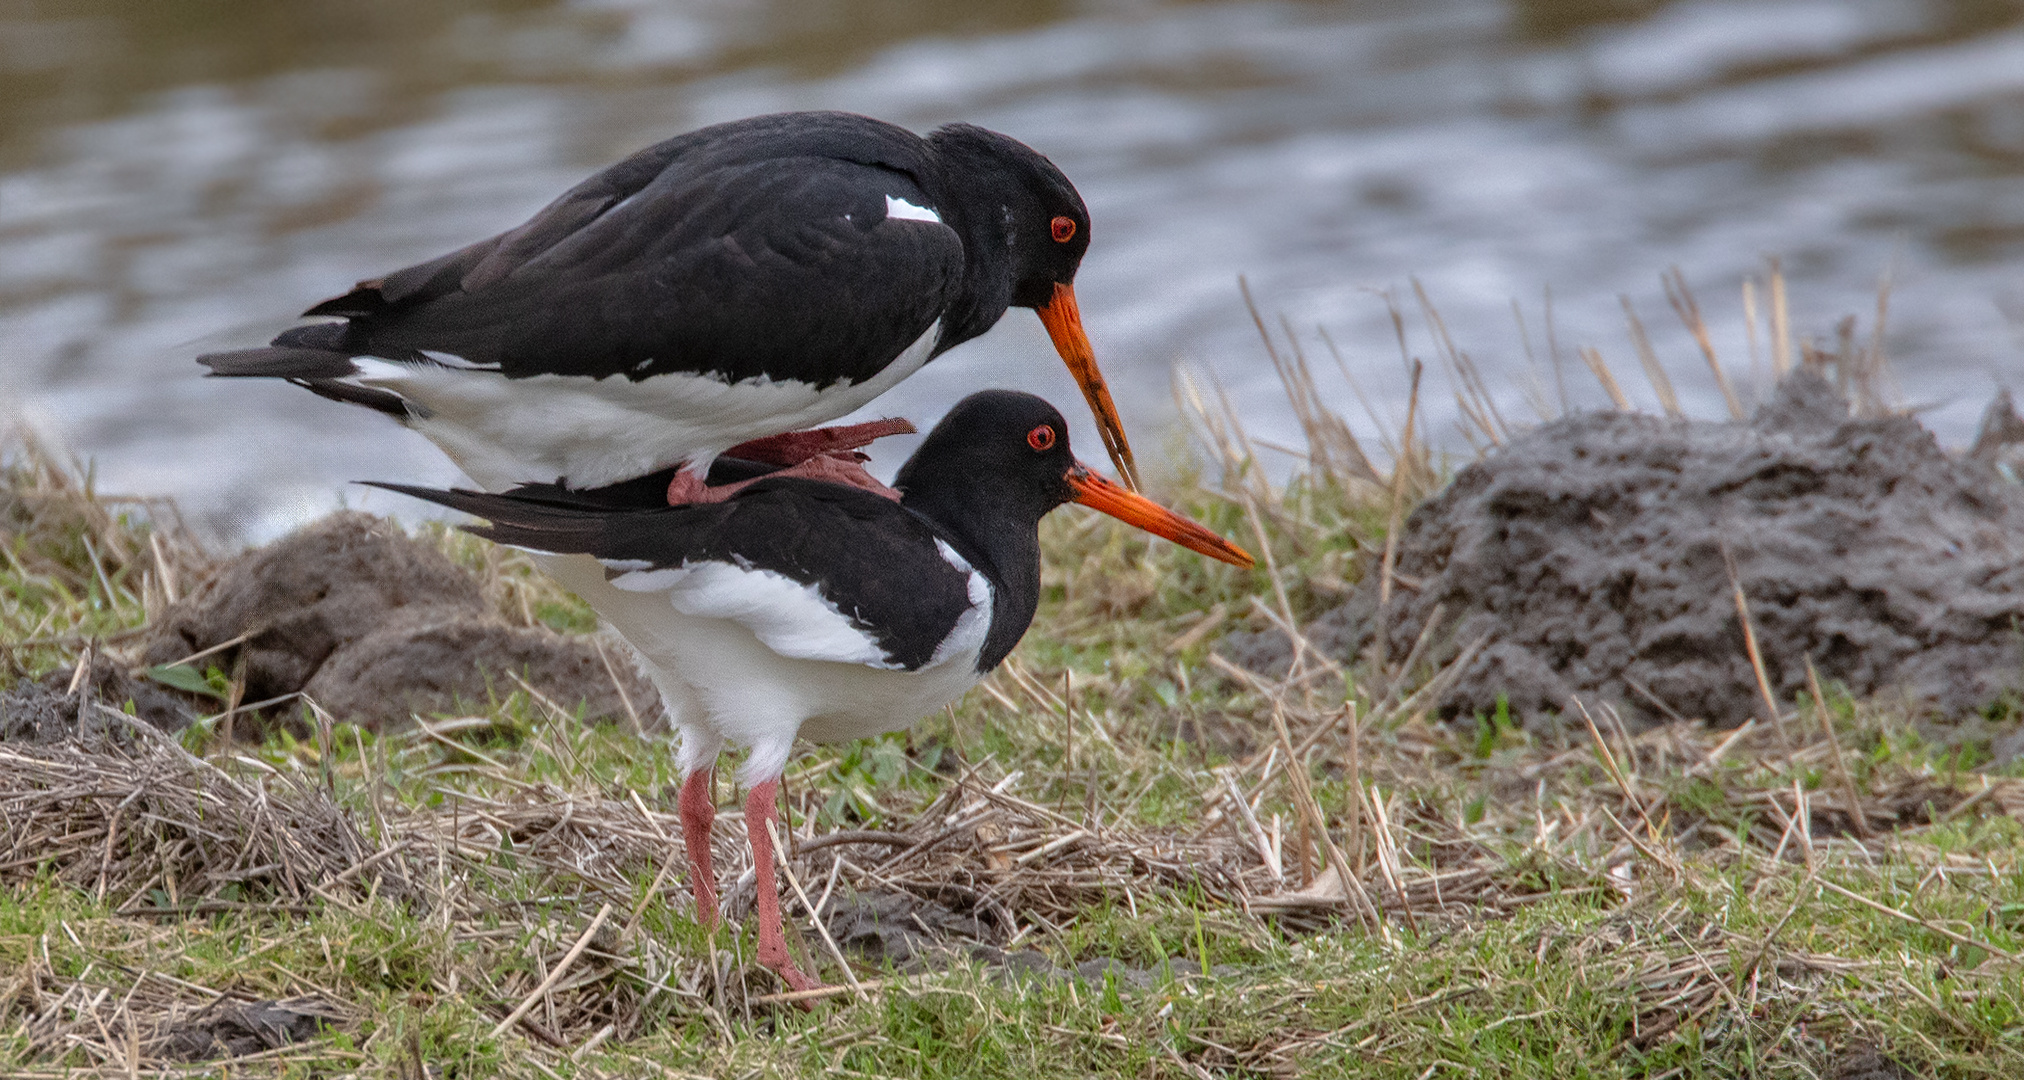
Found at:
<point>1063,320</point>
<point>1097,493</point>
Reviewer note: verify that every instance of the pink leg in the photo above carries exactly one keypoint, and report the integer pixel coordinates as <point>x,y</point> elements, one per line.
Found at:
<point>759,812</point>
<point>699,810</point>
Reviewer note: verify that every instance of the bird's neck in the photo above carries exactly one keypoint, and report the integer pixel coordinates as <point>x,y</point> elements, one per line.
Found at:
<point>978,210</point>
<point>1004,547</point>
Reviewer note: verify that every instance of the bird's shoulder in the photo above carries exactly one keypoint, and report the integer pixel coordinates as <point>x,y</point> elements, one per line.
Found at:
<point>888,572</point>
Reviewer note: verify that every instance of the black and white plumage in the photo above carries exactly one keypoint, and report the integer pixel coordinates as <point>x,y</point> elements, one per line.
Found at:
<point>798,608</point>
<point>740,281</point>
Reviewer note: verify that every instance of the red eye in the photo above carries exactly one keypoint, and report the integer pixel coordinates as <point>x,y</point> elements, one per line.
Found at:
<point>1042,437</point>
<point>1064,229</point>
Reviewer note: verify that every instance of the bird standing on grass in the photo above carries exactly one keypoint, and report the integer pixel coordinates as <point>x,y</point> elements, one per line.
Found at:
<point>799,607</point>
<point>733,284</point>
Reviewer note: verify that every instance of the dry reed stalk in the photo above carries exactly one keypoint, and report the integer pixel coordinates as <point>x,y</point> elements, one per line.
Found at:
<point>1472,394</point>
<point>1600,369</point>
<point>1534,387</point>
<point>1848,791</point>
<point>1333,450</point>
<point>1355,770</point>
<point>1388,861</point>
<point>1310,811</point>
<point>1256,832</point>
<point>1876,363</point>
<point>814,914</point>
<point>1689,310</point>
<point>1616,774</point>
<point>1750,321</point>
<point>1384,433</point>
<point>1925,924</point>
<point>555,973</point>
<point>1648,358</point>
<point>1769,699</point>
<point>1781,322</point>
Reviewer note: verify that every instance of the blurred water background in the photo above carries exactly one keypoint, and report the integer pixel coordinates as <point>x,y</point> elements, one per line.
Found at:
<point>182,175</point>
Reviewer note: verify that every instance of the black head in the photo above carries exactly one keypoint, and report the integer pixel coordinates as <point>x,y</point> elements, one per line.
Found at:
<point>987,474</point>
<point>999,462</point>
<point>1022,197</point>
<point>998,449</point>
<point>1024,232</point>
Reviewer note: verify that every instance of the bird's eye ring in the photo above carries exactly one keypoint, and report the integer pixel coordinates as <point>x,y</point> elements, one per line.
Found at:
<point>1064,229</point>
<point>1041,438</point>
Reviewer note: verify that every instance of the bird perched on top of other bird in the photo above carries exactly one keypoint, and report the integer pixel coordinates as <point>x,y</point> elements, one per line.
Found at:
<point>735,283</point>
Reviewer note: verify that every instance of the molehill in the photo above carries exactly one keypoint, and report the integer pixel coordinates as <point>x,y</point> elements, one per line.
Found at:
<point>1592,558</point>
<point>375,628</point>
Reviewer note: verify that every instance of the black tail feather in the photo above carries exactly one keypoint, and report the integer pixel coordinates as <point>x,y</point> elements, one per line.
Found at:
<point>532,523</point>
<point>385,401</point>
<point>280,362</point>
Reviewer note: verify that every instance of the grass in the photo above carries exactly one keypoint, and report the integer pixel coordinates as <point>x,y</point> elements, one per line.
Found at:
<point>1589,903</point>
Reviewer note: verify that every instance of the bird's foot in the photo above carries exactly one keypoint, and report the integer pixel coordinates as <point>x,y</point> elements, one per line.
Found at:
<point>844,467</point>
<point>795,447</point>
<point>759,817</point>
<point>783,966</point>
<point>829,454</point>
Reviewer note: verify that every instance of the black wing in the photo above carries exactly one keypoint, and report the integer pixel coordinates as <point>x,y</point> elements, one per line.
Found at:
<point>760,247</point>
<point>871,557</point>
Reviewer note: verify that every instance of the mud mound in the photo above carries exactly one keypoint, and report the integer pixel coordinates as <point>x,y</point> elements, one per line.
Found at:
<point>306,595</point>
<point>375,626</point>
<point>1589,554</point>
<point>426,662</point>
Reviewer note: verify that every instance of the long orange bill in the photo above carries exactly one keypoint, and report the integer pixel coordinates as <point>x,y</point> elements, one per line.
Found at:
<point>1063,320</point>
<point>1097,493</point>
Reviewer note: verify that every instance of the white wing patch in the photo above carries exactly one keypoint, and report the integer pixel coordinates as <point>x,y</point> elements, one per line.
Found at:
<point>792,619</point>
<point>452,360</point>
<point>905,211</point>
<point>966,638</point>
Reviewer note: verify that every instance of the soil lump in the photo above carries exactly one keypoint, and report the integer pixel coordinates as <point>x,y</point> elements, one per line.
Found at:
<point>1591,557</point>
<point>376,627</point>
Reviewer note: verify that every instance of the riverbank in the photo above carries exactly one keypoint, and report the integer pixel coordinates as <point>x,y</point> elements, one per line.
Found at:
<point>1099,864</point>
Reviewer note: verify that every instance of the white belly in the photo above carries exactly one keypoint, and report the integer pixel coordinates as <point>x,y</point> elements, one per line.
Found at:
<point>593,432</point>
<point>721,684</point>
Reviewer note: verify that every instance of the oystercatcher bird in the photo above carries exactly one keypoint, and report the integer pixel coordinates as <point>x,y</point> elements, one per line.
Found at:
<point>799,607</point>
<point>738,282</point>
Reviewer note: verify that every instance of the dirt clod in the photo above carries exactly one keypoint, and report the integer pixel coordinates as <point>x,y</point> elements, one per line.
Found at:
<point>374,627</point>
<point>229,1029</point>
<point>1865,1063</point>
<point>902,928</point>
<point>50,710</point>
<point>1592,557</point>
